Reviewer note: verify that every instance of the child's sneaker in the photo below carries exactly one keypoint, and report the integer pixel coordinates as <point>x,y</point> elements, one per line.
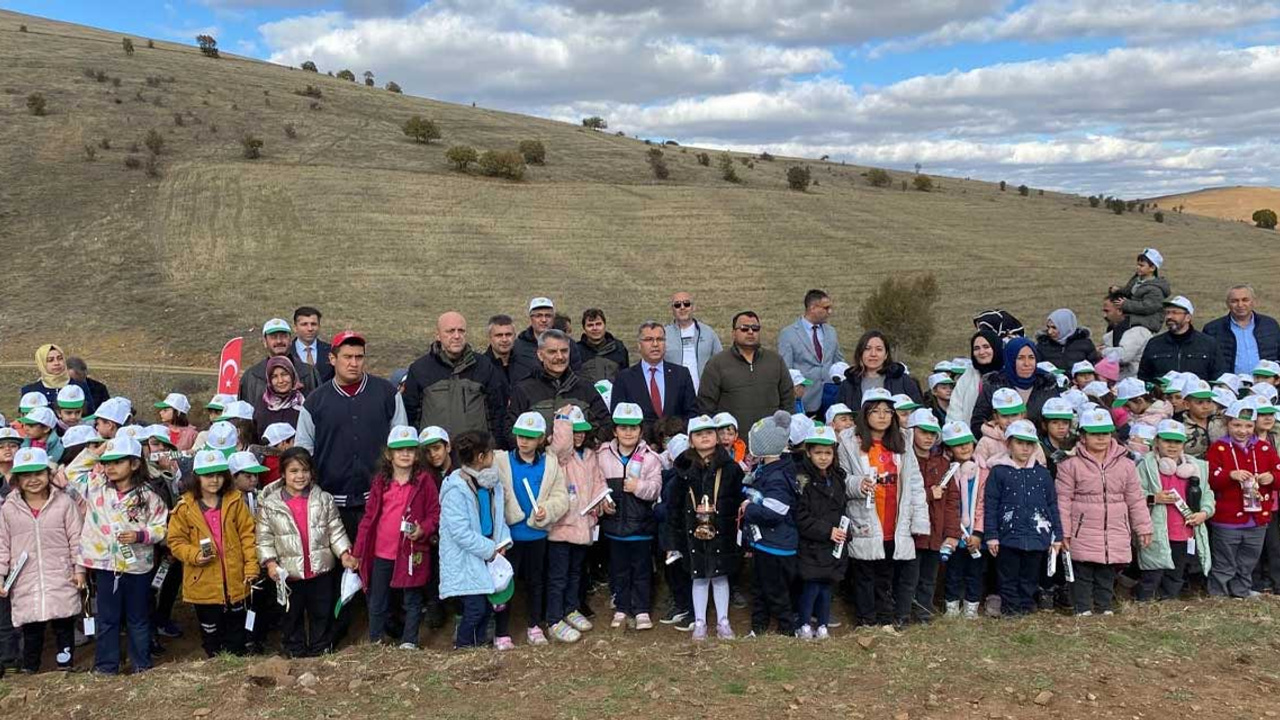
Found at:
<point>1086,613</point>
<point>408,646</point>
<point>699,631</point>
<point>971,610</point>
<point>821,633</point>
<point>953,608</point>
<point>805,632</point>
<point>503,642</point>
<point>993,606</point>
<point>618,620</point>
<point>643,622</point>
<point>536,637</point>
<point>724,631</point>
<point>168,629</point>
<point>565,633</point>
<point>578,621</point>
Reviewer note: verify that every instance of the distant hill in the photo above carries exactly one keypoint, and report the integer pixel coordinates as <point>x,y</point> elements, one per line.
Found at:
<point>383,235</point>
<point>1226,203</point>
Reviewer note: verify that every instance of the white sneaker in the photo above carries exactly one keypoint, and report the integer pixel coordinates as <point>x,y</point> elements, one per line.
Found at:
<point>618,620</point>
<point>822,633</point>
<point>1108,612</point>
<point>805,632</point>
<point>970,610</point>
<point>408,646</point>
<point>1086,613</point>
<point>953,608</point>
<point>644,622</point>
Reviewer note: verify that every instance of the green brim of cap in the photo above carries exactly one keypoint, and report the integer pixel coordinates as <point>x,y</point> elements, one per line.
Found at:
<point>929,428</point>
<point>402,444</point>
<point>945,381</point>
<point>1098,429</point>
<point>255,469</point>
<point>627,421</point>
<point>1024,438</point>
<point>805,382</point>
<point>163,406</point>
<point>1015,410</point>
<point>1267,410</point>
<point>33,467</point>
<point>1058,416</point>
<point>1263,373</point>
<point>962,440</point>
<point>504,595</point>
<point>1176,437</point>
<point>1200,396</point>
<point>908,407</point>
<point>70,405</point>
<point>429,441</point>
<point>526,432</point>
<point>220,467</point>
<point>112,457</point>
<point>1120,402</point>
<point>164,440</point>
<point>1084,372</point>
<point>819,441</point>
<point>582,427</point>
<point>29,421</point>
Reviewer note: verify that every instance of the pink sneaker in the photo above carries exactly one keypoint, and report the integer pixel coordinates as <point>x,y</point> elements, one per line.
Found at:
<point>503,643</point>
<point>724,631</point>
<point>699,631</point>
<point>536,636</point>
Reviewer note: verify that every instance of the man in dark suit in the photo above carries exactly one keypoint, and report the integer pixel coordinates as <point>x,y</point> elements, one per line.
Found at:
<point>661,389</point>
<point>310,354</point>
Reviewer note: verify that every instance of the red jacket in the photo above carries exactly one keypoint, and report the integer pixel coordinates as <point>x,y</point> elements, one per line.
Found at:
<point>1223,458</point>
<point>933,468</point>
<point>423,508</point>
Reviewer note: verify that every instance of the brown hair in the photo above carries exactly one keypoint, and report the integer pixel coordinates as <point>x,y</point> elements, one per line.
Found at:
<point>296,454</point>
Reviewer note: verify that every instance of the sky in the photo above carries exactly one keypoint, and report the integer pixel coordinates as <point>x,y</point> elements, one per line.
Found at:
<point>1135,99</point>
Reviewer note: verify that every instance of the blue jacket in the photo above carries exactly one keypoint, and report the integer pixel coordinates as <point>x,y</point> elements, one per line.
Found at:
<point>773,493</point>
<point>51,394</point>
<point>1265,330</point>
<point>464,549</point>
<point>1021,508</point>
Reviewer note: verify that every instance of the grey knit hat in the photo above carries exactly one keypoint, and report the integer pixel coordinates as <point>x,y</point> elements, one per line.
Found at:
<point>769,435</point>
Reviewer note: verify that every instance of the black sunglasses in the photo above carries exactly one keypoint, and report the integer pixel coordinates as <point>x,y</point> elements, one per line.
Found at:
<point>748,328</point>
<point>682,304</point>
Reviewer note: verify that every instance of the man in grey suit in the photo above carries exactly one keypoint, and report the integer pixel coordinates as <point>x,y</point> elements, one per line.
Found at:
<point>810,346</point>
<point>690,342</point>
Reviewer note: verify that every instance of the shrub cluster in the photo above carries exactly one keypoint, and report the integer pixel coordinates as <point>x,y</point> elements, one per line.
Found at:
<point>502,163</point>
<point>657,163</point>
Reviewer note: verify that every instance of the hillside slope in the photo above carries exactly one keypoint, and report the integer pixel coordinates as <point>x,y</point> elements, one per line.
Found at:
<point>1226,203</point>
<point>381,233</point>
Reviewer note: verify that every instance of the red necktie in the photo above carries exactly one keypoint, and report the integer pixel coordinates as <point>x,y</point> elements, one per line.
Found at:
<point>655,397</point>
<point>817,343</point>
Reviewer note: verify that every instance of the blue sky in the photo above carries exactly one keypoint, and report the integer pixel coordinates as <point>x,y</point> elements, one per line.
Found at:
<point>1141,98</point>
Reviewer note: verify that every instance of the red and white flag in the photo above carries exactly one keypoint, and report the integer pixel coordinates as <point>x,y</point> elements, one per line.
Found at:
<point>229,367</point>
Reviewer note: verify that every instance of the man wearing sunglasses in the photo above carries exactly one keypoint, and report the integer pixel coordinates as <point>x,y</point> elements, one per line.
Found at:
<point>746,381</point>
<point>690,342</point>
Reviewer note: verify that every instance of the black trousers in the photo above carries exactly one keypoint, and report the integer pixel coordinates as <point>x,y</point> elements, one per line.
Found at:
<point>380,594</point>
<point>1266,574</point>
<point>927,585</point>
<point>631,575</point>
<point>1167,584</point>
<point>565,562</point>
<point>528,559</point>
<point>64,637</point>
<point>167,595</point>
<point>1095,586</point>
<point>9,634</point>
<point>221,628</point>
<point>772,581</point>
<point>308,623</point>
<point>884,589</point>
<point>1019,573</point>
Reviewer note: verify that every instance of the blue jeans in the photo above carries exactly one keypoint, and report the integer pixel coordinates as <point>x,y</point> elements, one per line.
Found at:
<point>473,624</point>
<point>123,599</point>
<point>564,575</point>
<point>815,602</point>
<point>380,603</point>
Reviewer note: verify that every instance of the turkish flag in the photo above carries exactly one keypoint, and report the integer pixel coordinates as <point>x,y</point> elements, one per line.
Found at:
<point>229,367</point>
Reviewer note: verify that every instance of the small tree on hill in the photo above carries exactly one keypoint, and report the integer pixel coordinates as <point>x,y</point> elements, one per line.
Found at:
<point>154,141</point>
<point>208,46</point>
<point>704,159</point>
<point>765,156</point>
<point>368,78</point>
<point>461,156</point>
<point>36,104</point>
<point>595,122</point>
<point>1003,185</point>
<point>923,183</point>
<point>1265,219</point>
<point>421,129</point>
<point>394,87</point>
<point>657,163</point>
<point>727,170</point>
<point>502,163</point>
<point>127,44</point>
<point>1024,191</point>
<point>903,309</point>
<point>534,152</point>
<point>251,146</point>
<point>1158,216</point>
<point>878,178</point>
<point>310,66</point>
<point>1094,201</point>
<point>346,75</point>
<point>310,91</point>
<point>798,177</point>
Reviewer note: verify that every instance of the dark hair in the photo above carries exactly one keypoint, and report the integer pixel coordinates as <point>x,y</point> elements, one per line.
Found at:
<point>180,419</point>
<point>296,454</point>
<point>861,347</point>
<point>593,314</point>
<point>502,320</point>
<point>306,311</point>
<point>77,364</point>
<point>665,429</point>
<point>1114,297</point>
<point>191,483</point>
<point>813,297</point>
<point>451,456</point>
<point>807,466</point>
<point>246,432</point>
<point>745,313</point>
<point>471,444</point>
<point>560,322</point>
<point>892,439</point>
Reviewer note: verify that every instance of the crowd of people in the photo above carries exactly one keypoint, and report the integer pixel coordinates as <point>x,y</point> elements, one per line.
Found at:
<point>544,472</point>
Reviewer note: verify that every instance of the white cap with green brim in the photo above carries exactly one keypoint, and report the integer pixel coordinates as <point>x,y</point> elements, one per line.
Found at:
<point>1227,379</point>
<point>237,410</point>
<point>70,397</point>
<point>960,365</point>
<point>956,433</point>
<point>627,414</point>
<point>402,436</point>
<point>1057,409</point>
<point>1049,368</point>
<point>1142,431</point>
<point>798,378</point>
<point>1171,430</point>
<point>904,403</point>
<point>433,434</point>
<point>940,378</point>
<point>78,435</point>
<point>1097,421</point>
<point>119,448</point>
<point>702,422</point>
<point>924,419</point>
<point>876,395</point>
<point>219,401</point>
<point>799,428</point>
<point>1007,401</point>
<point>222,436</point>
<point>1262,406</point>
<point>1180,302</point>
<point>1021,430</point>
<point>724,420</point>
<point>160,433</point>
<point>137,432</point>
<point>30,459</point>
<point>942,366</point>
<point>837,410</point>
<point>275,325</point>
<point>208,462</point>
<point>8,434</point>
<point>1224,397</point>
<point>1265,368</point>
<point>32,399</point>
<point>1240,410</point>
<point>277,433</point>
<point>175,401</point>
<point>676,445</point>
<point>1265,391</point>
<point>116,410</point>
<point>1084,366</point>
<point>1171,381</point>
<point>1096,389</point>
<point>40,416</point>
<point>837,371</point>
<point>1196,389</point>
<point>605,389</point>
<point>821,435</point>
<point>530,425</point>
<point>579,419</point>
<point>1075,398</point>
<point>245,461</point>
<point>1129,389</point>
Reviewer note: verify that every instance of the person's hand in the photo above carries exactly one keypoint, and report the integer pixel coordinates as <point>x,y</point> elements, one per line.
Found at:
<point>1066,544</point>
<point>937,492</point>
<point>1055,547</point>
<point>1144,539</point>
<point>952,543</point>
<point>1197,518</point>
<point>742,509</point>
<point>868,486</point>
<point>416,534</point>
<point>993,547</point>
<point>1241,476</point>
<point>503,550</point>
<point>608,507</point>
<point>630,485</point>
<point>973,541</point>
<point>203,559</point>
<point>838,535</point>
<point>128,537</point>
<point>1165,497</point>
<point>271,571</point>
<point>78,579</point>
<point>350,562</point>
<point>540,514</point>
<point>1264,478</point>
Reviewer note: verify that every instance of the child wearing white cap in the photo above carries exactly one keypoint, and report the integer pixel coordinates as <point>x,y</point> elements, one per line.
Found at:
<point>43,524</point>
<point>1132,395</point>
<point>731,440</point>
<point>574,447</point>
<point>1057,417</point>
<point>174,411</point>
<point>941,385</point>
<point>839,417</point>
<point>40,424</point>
<point>392,543</point>
<point>823,529</point>
<point>1007,407</point>
<point>1145,291</point>
<point>1180,503</point>
<point>961,522</point>
<point>70,405</point>
<point>1242,473</point>
<point>926,431</point>
<point>537,495</point>
<point>1264,423</point>
<point>1200,417</point>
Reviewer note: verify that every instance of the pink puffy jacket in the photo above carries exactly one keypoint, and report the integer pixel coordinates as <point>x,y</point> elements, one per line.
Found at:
<point>584,483</point>
<point>1102,505</point>
<point>43,590</point>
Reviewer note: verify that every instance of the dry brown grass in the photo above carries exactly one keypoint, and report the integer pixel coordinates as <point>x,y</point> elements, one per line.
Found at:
<point>1228,203</point>
<point>383,234</point>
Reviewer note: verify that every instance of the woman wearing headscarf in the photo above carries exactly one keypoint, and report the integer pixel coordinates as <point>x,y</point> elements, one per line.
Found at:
<point>52,364</point>
<point>1064,343</point>
<point>873,366</point>
<point>282,399</point>
<point>1019,372</point>
<point>986,355</point>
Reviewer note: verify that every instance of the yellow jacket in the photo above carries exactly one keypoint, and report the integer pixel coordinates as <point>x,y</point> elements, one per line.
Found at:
<point>225,581</point>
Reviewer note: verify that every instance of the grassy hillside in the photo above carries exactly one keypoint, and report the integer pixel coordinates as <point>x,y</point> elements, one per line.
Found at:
<point>1226,203</point>
<point>382,234</point>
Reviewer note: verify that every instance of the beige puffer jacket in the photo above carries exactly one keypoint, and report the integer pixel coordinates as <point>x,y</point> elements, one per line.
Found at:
<point>279,539</point>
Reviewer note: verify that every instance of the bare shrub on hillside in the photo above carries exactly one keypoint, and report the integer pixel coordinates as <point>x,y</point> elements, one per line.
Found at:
<point>421,129</point>
<point>798,178</point>
<point>290,131</point>
<point>1265,219</point>
<point>765,156</point>
<point>502,163</point>
<point>316,106</point>
<point>208,46</point>
<point>1003,185</point>
<point>346,75</point>
<point>534,152</point>
<point>90,153</point>
<point>153,166</point>
<point>727,170</point>
<point>127,44</point>
<point>251,146</point>
<point>36,104</point>
<point>310,66</point>
<point>1158,216</point>
<point>394,87</point>
<point>902,307</point>
<point>704,159</point>
<point>179,120</point>
<point>923,183</point>
<point>151,44</point>
<point>1094,201</point>
<point>105,143</point>
<point>461,156</point>
<point>657,163</point>
<point>878,178</point>
<point>133,162</point>
<point>1024,191</point>
<point>115,82</point>
<point>154,141</point>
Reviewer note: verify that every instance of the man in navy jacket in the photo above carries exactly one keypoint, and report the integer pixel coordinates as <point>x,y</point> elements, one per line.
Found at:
<point>1244,336</point>
<point>652,376</point>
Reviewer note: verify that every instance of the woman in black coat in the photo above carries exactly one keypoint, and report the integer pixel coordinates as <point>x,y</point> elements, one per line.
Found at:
<point>1021,374</point>
<point>874,366</point>
<point>817,514</point>
<point>1064,343</point>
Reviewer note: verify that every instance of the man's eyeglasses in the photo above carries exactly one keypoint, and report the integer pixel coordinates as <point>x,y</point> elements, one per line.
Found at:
<point>682,304</point>
<point>749,328</point>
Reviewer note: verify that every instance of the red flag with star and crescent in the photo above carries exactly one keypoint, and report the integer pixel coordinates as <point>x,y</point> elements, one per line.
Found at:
<point>229,367</point>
